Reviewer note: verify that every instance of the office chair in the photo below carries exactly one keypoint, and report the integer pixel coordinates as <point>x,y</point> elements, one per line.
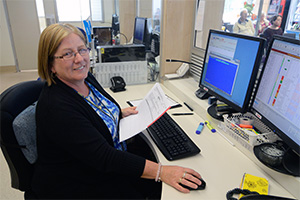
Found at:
<point>12,102</point>
<point>290,35</point>
<point>229,27</point>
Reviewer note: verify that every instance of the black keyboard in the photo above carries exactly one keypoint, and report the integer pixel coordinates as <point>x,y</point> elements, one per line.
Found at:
<point>171,139</point>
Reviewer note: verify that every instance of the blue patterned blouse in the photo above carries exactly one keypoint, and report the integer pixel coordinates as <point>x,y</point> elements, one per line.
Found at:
<point>108,111</point>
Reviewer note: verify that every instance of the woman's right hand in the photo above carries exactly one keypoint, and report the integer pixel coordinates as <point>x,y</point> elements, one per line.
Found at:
<point>174,175</point>
<point>129,111</point>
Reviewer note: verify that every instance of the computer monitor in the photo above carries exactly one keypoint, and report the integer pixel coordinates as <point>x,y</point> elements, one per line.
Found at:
<point>115,24</point>
<point>142,32</point>
<point>277,102</point>
<point>230,69</point>
<point>139,30</point>
<point>122,53</point>
<point>102,35</point>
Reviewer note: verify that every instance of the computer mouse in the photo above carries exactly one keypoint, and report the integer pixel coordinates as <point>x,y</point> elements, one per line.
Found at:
<point>200,187</point>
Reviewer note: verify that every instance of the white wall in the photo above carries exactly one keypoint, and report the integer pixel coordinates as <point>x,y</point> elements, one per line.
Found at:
<point>25,31</point>
<point>6,53</point>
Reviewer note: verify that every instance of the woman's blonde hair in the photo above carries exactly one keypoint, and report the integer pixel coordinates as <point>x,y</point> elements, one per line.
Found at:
<point>50,40</point>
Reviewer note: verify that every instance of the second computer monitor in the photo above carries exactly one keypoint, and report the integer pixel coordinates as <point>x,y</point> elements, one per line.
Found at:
<point>142,32</point>
<point>277,102</point>
<point>139,30</point>
<point>102,35</point>
<point>230,69</point>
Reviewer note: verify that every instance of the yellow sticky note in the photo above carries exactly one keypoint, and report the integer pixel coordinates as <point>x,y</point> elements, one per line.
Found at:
<point>255,184</point>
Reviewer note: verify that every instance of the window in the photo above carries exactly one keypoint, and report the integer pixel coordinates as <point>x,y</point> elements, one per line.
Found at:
<point>41,14</point>
<point>208,16</point>
<point>257,11</point>
<point>156,4</point>
<point>220,15</point>
<point>80,10</point>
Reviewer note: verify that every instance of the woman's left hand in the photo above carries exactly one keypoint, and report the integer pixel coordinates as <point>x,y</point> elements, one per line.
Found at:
<point>129,111</point>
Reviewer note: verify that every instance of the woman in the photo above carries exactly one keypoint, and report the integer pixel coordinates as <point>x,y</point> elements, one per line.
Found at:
<point>79,154</point>
<point>263,24</point>
<point>274,29</point>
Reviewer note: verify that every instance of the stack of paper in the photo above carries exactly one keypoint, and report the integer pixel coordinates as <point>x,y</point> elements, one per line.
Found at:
<point>153,106</point>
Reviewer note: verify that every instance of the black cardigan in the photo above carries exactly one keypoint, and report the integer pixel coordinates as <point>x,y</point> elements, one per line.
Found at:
<point>76,157</point>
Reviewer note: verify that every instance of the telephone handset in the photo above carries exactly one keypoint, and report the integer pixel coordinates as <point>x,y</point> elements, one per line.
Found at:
<point>182,70</point>
<point>117,84</point>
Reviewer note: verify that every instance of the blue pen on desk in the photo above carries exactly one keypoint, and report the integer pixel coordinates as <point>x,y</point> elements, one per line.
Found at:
<point>200,127</point>
<point>211,128</point>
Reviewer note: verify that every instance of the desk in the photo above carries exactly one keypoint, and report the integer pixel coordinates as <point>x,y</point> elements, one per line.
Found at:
<point>220,164</point>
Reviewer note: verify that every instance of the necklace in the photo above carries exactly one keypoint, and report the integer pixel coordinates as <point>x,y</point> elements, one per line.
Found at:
<point>109,114</point>
<point>96,103</point>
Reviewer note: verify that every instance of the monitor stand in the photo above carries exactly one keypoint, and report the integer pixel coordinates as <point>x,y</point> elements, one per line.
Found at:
<point>218,110</point>
<point>288,164</point>
<point>291,162</point>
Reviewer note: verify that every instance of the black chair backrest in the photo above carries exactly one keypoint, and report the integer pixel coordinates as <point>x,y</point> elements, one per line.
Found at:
<point>290,35</point>
<point>12,102</point>
<point>230,27</point>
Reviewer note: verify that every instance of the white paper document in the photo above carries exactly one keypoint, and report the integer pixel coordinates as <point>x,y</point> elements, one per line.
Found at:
<point>172,102</point>
<point>154,105</point>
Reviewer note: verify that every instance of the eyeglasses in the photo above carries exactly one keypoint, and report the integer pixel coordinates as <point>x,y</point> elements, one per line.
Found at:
<point>70,55</point>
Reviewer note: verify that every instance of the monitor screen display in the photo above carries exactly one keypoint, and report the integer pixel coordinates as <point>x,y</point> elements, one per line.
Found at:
<point>102,35</point>
<point>230,69</point>
<point>139,30</point>
<point>277,102</point>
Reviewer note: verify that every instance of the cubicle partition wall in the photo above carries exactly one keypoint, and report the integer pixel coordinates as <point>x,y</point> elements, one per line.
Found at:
<point>127,61</point>
<point>133,72</point>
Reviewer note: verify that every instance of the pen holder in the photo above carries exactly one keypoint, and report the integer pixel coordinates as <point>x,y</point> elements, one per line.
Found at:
<point>246,137</point>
